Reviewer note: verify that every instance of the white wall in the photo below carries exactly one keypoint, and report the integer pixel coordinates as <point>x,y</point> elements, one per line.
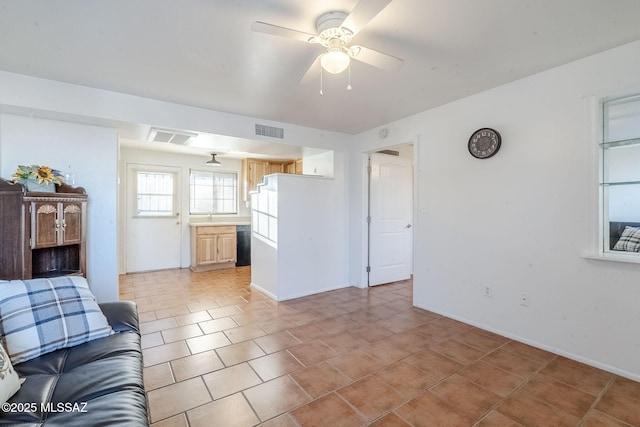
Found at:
<point>90,152</point>
<point>309,256</point>
<point>519,221</point>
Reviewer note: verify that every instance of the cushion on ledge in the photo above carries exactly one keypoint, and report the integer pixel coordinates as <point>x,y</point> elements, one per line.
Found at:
<point>39,316</point>
<point>629,240</point>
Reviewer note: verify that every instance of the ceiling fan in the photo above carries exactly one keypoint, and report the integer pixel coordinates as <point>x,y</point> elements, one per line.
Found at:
<point>335,32</point>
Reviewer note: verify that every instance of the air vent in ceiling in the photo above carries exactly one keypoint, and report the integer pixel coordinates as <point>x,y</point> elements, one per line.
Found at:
<point>389,152</point>
<point>179,137</point>
<point>270,131</point>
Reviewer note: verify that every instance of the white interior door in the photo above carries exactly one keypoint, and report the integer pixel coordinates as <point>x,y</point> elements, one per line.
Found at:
<point>153,232</point>
<point>391,215</point>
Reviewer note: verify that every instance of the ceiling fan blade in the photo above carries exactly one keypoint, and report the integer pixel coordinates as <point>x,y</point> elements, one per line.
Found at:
<point>312,72</point>
<point>377,59</point>
<point>364,12</point>
<point>263,27</point>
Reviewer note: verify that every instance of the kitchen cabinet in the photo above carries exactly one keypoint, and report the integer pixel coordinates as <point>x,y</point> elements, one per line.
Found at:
<point>253,170</point>
<point>213,247</point>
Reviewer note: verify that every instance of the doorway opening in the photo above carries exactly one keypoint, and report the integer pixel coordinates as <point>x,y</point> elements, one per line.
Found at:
<point>390,215</point>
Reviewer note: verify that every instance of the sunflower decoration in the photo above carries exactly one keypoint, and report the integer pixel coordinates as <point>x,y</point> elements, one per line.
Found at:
<point>41,174</point>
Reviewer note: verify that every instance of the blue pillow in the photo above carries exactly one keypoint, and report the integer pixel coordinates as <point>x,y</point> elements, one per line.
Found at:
<point>39,316</point>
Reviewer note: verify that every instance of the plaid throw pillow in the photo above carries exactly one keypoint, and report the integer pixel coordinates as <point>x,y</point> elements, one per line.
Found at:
<point>39,316</point>
<point>629,240</point>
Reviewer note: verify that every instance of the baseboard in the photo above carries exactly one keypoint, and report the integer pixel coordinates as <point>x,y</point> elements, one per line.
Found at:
<point>559,352</point>
<point>296,295</point>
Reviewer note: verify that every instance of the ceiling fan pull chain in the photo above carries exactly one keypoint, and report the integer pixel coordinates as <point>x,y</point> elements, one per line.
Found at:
<point>349,85</point>
<point>321,93</point>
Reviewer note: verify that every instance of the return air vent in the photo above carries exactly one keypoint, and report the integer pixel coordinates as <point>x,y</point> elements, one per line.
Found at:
<point>172,136</point>
<point>270,131</point>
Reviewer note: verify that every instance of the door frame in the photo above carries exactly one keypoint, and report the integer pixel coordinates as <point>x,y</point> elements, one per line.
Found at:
<point>364,275</point>
<point>128,201</point>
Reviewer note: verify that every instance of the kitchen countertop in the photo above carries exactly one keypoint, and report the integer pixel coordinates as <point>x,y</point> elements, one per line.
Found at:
<point>221,223</point>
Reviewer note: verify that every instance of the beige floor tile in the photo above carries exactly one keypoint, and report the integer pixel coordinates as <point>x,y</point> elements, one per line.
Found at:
<point>428,409</point>
<point>330,410</point>
<point>621,406</point>
<point>217,325</point>
<point>244,333</point>
<point>367,357</point>
<point>390,420</point>
<point>207,342</point>
<point>492,378</point>
<point>312,352</point>
<point>176,398</point>
<point>181,333</point>
<point>275,365</point>
<point>320,379</point>
<point>232,411</point>
<point>158,325</point>
<point>466,396</point>
<point>157,376</point>
<point>164,353</point>
<point>151,340</point>
<point>276,341</point>
<point>528,410</point>
<point>190,318</point>
<point>406,379</point>
<point>356,364</point>
<point>560,395</point>
<point>370,396</point>
<point>179,420</point>
<point>231,380</point>
<point>276,397</point>
<point>197,364</point>
<point>238,353</point>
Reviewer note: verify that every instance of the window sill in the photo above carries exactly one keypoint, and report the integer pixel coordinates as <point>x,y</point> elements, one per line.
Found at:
<point>612,256</point>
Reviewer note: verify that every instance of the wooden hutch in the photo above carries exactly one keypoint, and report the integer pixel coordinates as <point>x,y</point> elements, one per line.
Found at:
<point>42,234</point>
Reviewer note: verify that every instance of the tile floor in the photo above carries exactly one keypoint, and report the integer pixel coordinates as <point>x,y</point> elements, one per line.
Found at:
<point>217,353</point>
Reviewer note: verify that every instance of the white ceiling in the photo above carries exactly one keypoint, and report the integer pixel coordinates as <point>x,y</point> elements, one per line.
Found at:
<point>203,53</point>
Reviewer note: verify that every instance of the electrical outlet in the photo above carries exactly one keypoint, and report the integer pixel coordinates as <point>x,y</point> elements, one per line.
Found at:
<point>486,291</point>
<point>524,299</point>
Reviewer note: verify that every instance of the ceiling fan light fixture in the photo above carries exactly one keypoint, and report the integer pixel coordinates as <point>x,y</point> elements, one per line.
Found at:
<point>213,161</point>
<point>335,60</point>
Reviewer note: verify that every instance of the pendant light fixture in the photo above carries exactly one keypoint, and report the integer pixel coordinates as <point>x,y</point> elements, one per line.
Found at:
<point>213,161</point>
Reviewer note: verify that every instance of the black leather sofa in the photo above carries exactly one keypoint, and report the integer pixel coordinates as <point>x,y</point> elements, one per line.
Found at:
<point>98,383</point>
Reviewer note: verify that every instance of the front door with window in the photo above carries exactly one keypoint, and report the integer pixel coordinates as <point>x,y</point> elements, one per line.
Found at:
<point>153,234</point>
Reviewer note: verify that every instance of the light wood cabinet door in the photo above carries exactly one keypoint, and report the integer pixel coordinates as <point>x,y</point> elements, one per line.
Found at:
<point>226,246</point>
<point>213,247</point>
<point>206,249</point>
<point>276,167</point>
<point>257,170</point>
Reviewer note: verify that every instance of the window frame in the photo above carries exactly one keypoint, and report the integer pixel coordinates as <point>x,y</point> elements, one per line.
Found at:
<point>236,192</point>
<point>173,202</point>
<point>603,145</point>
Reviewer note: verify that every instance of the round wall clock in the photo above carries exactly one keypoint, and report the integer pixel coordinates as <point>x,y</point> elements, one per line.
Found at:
<point>484,143</point>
